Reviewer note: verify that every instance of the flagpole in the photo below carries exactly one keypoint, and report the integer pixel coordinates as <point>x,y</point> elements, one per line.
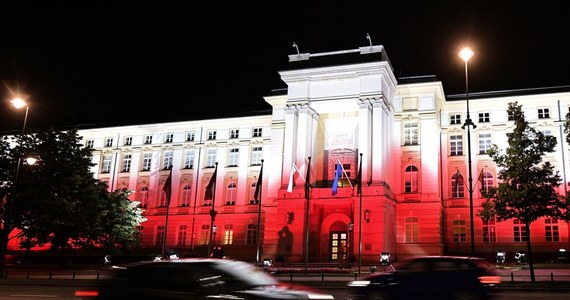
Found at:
<point>213,210</point>
<point>307,194</point>
<point>196,193</point>
<point>360,216</point>
<point>257,194</point>
<point>168,191</point>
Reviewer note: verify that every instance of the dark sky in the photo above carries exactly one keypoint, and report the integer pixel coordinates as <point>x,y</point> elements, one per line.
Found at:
<point>137,63</point>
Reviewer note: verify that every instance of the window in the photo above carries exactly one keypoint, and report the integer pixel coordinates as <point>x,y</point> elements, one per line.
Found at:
<point>233,157</point>
<point>511,117</point>
<point>457,186</point>
<point>251,234</point>
<point>212,135</point>
<point>257,131</point>
<point>211,158</point>
<point>169,137</point>
<point>234,133</point>
<point>186,194</point>
<point>89,143</point>
<point>489,231</point>
<point>147,161</point>
<point>189,159</point>
<point>410,134</point>
<point>551,231</point>
<point>228,234</point>
<point>455,119</point>
<point>159,235</point>
<point>252,188</point>
<point>484,142</point>
<point>108,142</point>
<point>231,193</point>
<point>486,179</point>
<point>543,113</point>
<point>128,141</point>
<point>167,162</point>
<point>519,231</point>
<point>147,139</point>
<point>412,230</point>
<point>256,156</point>
<point>546,132</point>
<point>456,145</point>
<point>182,235</point>
<point>484,117</point>
<point>190,136</point>
<point>143,196</point>
<point>204,235</point>
<point>411,179</point>
<point>458,227</point>
<point>208,202</point>
<point>163,202</point>
<point>106,166</point>
<point>127,159</point>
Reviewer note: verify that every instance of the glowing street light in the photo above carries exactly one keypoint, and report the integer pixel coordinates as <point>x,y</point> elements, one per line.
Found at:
<point>466,54</point>
<point>19,103</point>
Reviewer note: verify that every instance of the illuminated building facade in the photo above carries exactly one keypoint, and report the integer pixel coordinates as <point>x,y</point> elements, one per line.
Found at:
<point>401,136</point>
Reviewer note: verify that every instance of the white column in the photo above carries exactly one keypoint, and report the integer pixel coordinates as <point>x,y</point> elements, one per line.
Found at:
<point>306,135</point>
<point>290,141</point>
<point>380,140</point>
<point>365,138</point>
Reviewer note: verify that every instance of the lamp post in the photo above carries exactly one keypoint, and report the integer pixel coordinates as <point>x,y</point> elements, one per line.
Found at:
<point>214,230</point>
<point>350,238</point>
<point>19,103</point>
<point>466,54</point>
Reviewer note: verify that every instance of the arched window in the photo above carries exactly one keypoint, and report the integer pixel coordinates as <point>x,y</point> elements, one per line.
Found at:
<point>143,196</point>
<point>252,193</point>
<point>231,193</point>
<point>486,180</point>
<point>411,179</point>
<point>186,193</point>
<point>457,186</point>
<point>163,201</point>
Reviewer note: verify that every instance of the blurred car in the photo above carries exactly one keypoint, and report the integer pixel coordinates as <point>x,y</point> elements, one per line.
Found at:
<point>430,277</point>
<point>194,278</point>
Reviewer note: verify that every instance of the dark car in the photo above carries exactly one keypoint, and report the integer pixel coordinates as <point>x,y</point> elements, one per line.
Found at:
<point>430,277</point>
<point>194,278</point>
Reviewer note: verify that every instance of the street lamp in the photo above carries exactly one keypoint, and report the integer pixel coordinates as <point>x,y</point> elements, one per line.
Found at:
<point>19,103</point>
<point>214,230</point>
<point>466,54</point>
<point>350,238</point>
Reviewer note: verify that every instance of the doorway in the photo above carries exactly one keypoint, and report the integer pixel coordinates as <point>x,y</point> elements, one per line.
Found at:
<point>336,240</point>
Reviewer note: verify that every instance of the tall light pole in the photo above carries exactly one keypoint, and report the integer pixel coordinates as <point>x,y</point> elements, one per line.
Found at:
<point>214,231</point>
<point>19,103</point>
<point>466,54</point>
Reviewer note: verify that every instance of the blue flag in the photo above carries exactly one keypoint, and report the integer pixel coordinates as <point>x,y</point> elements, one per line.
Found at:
<point>336,177</point>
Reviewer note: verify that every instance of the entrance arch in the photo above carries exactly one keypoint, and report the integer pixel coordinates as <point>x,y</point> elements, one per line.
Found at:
<point>335,233</point>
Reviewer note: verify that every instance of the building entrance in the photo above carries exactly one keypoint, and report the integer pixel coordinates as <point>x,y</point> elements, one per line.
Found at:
<point>337,245</point>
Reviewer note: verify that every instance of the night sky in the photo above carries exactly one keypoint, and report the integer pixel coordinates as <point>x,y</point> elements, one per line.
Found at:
<point>121,64</point>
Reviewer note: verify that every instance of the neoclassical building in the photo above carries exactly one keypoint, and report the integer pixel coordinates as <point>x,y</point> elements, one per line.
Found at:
<point>402,136</point>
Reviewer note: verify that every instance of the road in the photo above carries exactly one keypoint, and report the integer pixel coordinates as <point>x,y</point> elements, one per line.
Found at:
<point>19,291</point>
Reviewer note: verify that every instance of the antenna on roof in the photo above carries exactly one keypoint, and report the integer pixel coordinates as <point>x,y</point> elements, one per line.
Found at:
<point>296,47</point>
<point>369,39</point>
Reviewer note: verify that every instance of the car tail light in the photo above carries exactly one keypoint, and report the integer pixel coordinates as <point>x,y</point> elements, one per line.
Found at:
<point>490,279</point>
<point>86,293</point>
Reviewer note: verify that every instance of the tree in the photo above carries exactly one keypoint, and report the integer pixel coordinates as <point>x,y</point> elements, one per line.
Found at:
<point>58,202</point>
<point>527,186</point>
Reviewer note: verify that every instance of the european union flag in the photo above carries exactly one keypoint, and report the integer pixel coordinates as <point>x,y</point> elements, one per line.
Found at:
<point>336,177</point>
